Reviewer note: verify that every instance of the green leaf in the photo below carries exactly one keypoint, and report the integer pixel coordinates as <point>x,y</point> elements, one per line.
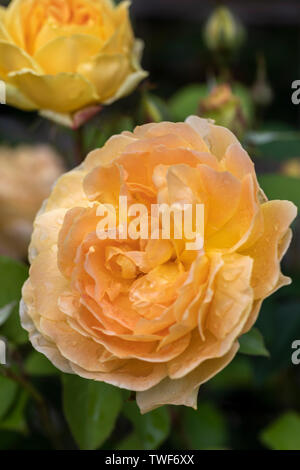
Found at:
<point>275,142</point>
<point>278,186</point>
<point>131,442</point>
<point>15,420</point>
<point>6,311</point>
<point>253,343</point>
<point>12,329</point>
<point>186,101</point>
<point>13,274</point>
<point>204,428</point>
<point>154,109</point>
<point>238,374</point>
<point>284,433</point>
<point>91,409</point>
<point>8,391</point>
<point>152,428</point>
<point>38,365</point>
<point>12,277</point>
<point>279,323</point>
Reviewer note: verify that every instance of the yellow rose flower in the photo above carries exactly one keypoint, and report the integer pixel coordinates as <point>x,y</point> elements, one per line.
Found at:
<point>148,315</point>
<point>27,175</point>
<point>62,56</point>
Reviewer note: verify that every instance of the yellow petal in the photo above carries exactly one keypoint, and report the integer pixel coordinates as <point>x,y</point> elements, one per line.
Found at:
<point>122,39</point>
<point>48,283</point>
<point>238,162</point>
<point>63,92</point>
<point>233,295</point>
<point>104,184</point>
<point>68,192</point>
<point>112,149</point>
<point>46,229</point>
<point>4,36</point>
<point>13,59</point>
<point>75,347</point>
<point>107,72</point>
<point>278,215</point>
<point>130,83</point>
<point>220,138</point>
<point>132,375</point>
<point>15,97</point>
<point>239,228</point>
<point>41,344</point>
<point>65,54</point>
<point>13,21</point>
<point>183,391</point>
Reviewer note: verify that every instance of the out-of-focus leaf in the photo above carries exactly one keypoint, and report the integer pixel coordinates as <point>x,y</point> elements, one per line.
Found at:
<point>8,391</point>
<point>278,186</point>
<point>154,109</point>
<point>6,311</point>
<point>284,433</point>
<point>124,123</point>
<point>238,374</point>
<point>252,343</point>
<point>12,329</point>
<point>12,277</point>
<point>204,428</point>
<point>186,101</point>
<point>279,324</point>
<point>15,420</point>
<point>131,442</point>
<point>38,365</point>
<point>91,409</point>
<point>269,137</point>
<point>152,428</point>
<point>275,141</point>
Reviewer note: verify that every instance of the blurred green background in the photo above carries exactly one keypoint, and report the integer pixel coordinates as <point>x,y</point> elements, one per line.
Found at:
<point>233,62</point>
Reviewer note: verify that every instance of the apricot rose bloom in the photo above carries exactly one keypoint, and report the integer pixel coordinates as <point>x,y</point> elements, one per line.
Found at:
<point>149,316</point>
<point>62,56</point>
<point>27,174</point>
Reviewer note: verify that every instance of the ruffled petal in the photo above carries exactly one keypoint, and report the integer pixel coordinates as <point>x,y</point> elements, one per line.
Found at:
<point>183,391</point>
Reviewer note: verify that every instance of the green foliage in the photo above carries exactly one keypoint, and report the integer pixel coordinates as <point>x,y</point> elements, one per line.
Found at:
<point>186,101</point>
<point>15,419</point>
<point>38,365</point>
<point>12,277</point>
<point>150,430</point>
<point>279,324</point>
<point>253,343</point>
<point>275,142</point>
<point>8,391</point>
<point>278,186</point>
<point>205,428</point>
<point>283,433</point>
<point>153,109</point>
<point>238,374</point>
<point>91,409</point>
<point>6,311</point>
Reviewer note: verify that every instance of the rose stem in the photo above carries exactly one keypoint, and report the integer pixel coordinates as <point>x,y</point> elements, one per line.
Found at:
<point>42,406</point>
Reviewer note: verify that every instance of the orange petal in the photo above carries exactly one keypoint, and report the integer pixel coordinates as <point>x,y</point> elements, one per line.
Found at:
<point>183,391</point>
